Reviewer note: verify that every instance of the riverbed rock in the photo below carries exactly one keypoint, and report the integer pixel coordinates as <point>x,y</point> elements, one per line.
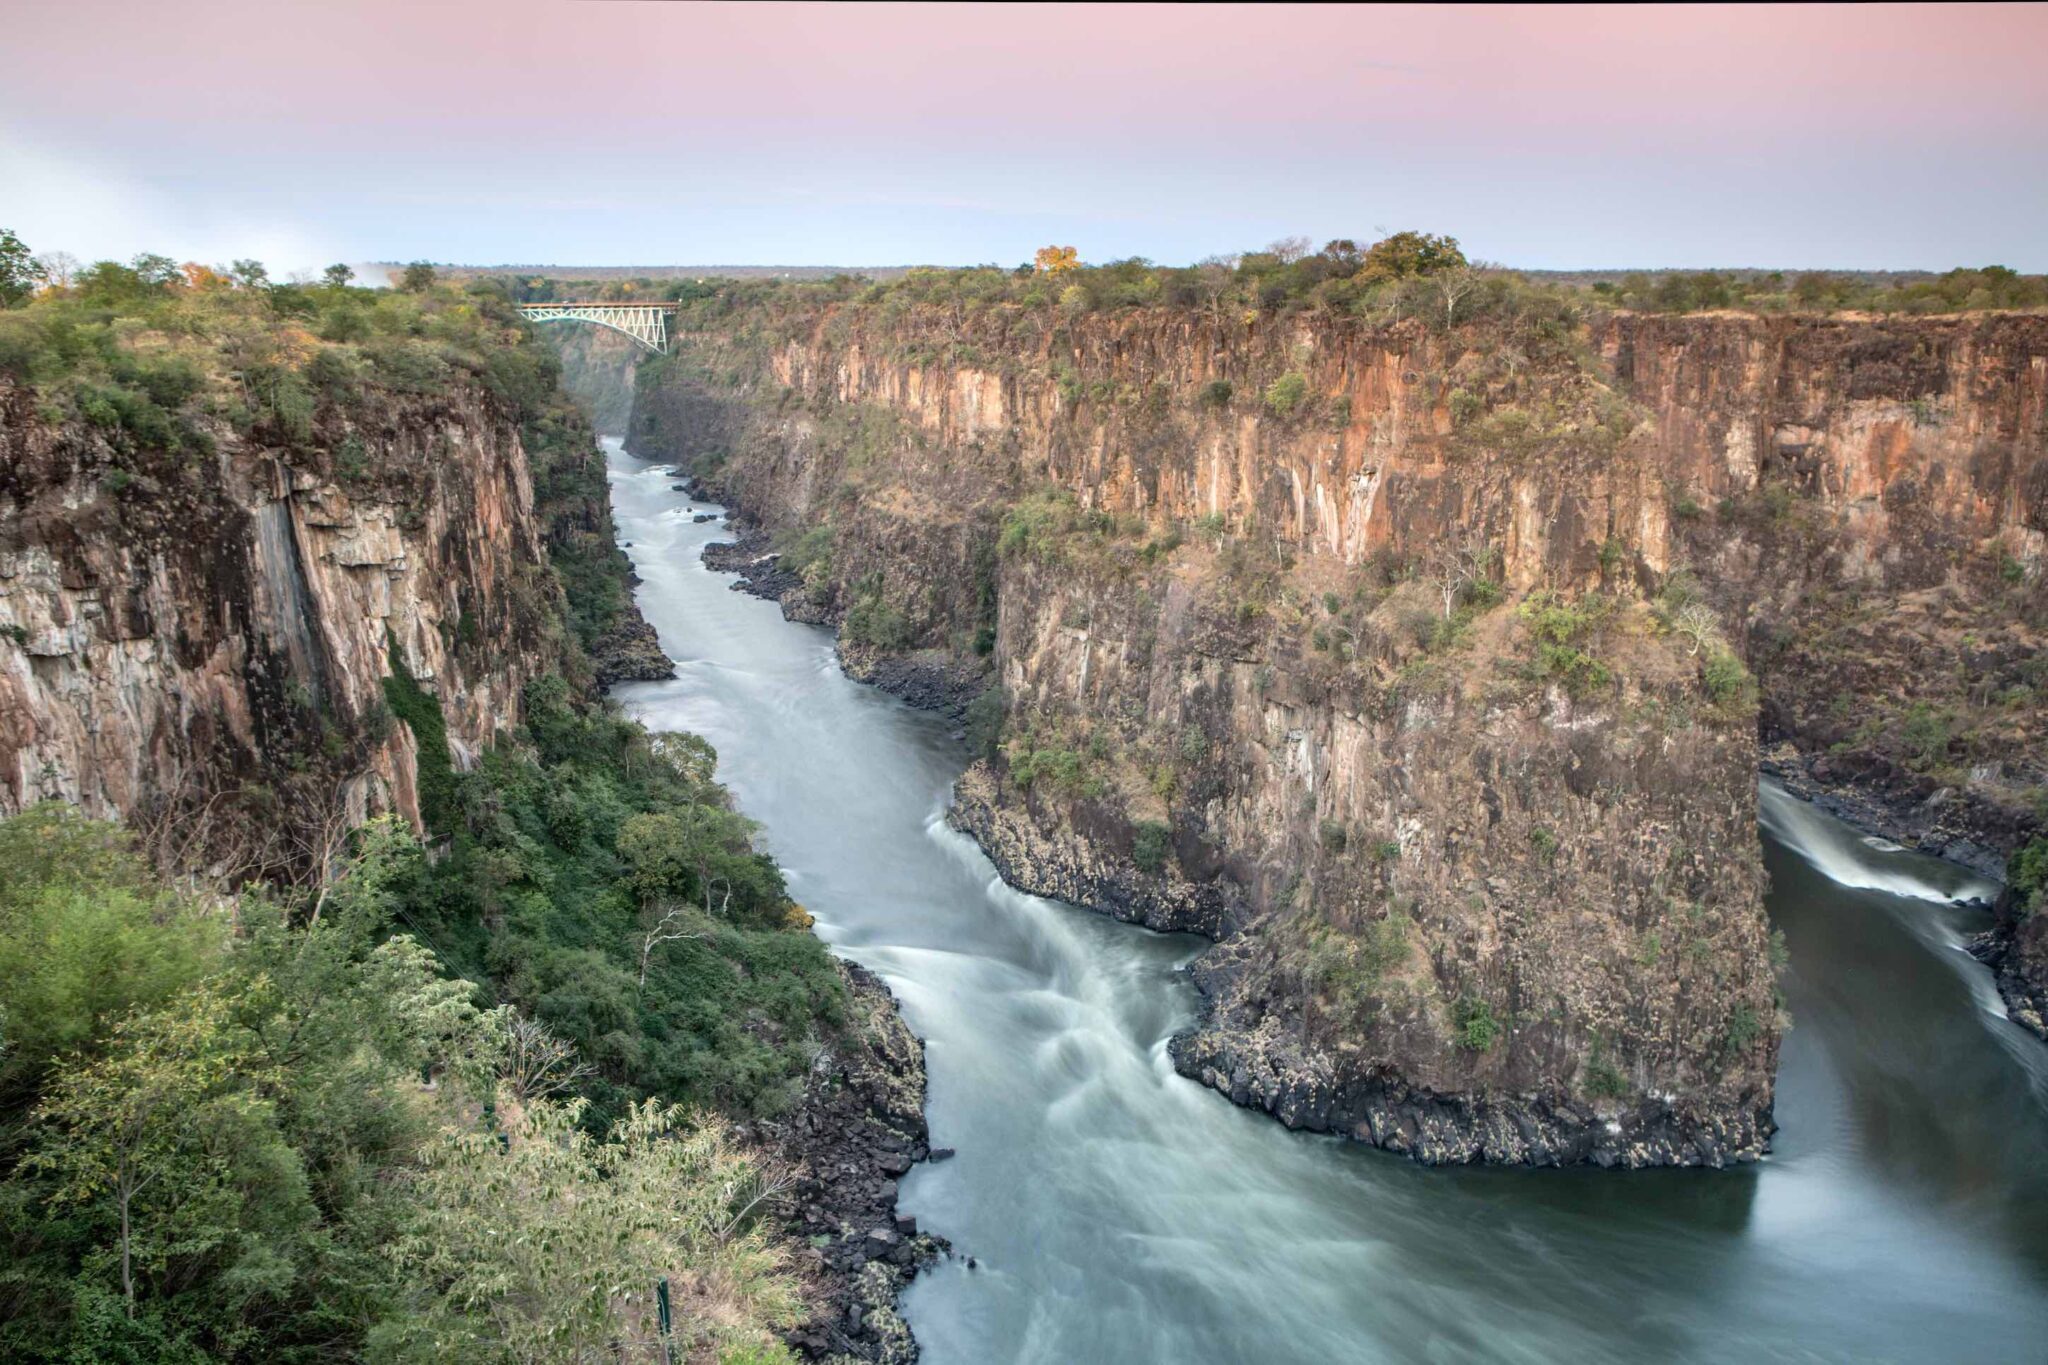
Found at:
<point>861,1113</point>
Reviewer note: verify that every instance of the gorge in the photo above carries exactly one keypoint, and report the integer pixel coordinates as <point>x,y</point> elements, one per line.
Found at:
<point>1349,645</point>
<point>1402,688</point>
<point>1117,1210</point>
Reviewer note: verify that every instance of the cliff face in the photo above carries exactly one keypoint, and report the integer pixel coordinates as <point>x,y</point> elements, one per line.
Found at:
<point>1411,664</point>
<point>1867,502</point>
<point>200,643</point>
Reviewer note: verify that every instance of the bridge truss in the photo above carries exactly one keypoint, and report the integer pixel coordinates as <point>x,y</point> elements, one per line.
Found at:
<point>646,323</point>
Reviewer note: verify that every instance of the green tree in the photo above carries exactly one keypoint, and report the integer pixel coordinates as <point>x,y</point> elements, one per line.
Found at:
<point>418,277</point>
<point>166,1140</point>
<point>337,276</point>
<point>20,272</point>
<point>702,852</point>
<point>85,938</point>
<point>1408,254</point>
<point>548,1250</point>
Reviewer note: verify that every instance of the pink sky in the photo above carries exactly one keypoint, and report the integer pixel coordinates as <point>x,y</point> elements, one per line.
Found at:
<point>635,130</point>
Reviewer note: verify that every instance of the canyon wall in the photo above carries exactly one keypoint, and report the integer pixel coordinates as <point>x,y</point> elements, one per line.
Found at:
<point>201,643</point>
<point>1409,665</point>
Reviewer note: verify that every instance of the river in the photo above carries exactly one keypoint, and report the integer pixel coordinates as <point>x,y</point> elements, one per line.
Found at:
<point>1119,1212</point>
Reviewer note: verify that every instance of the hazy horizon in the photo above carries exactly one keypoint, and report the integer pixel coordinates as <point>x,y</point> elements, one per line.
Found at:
<point>611,132</point>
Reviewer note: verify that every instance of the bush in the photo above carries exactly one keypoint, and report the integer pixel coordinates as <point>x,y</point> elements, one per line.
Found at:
<point>1287,393</point>
<point>1926,734</point>
<point>2026,872</point>
<point>985,723</point>
<point>1477,1029</point>
<point>1742,1029</point>
<point>1151,842</point>
<point>434,770</point>
<point>1216,394</point>
<point>877,622</point>
<point>1603,1079</point>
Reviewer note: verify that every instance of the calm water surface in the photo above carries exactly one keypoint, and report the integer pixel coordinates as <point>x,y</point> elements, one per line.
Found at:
<point>1122,1213</point>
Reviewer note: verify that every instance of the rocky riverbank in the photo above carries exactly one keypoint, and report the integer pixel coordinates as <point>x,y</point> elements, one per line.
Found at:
<point>858,1129</point>
<point>928,679</point>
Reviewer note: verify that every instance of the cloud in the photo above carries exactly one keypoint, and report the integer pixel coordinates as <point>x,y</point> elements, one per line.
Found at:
<point>61,200</point>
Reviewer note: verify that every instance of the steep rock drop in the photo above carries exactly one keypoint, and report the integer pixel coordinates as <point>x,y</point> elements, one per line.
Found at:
<point>1481,867</point>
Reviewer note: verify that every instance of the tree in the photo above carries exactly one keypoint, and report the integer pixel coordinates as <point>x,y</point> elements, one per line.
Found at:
<point>538,1065</point>
<point>549,1248</point>
<point>337,276</point>
<point>156,271</point>
<point>1452,284</point>
<point>418,277</point>
<point>1408,254</point>
<point>1697,623</point>
<point>20,272</point>
<point>163,1129</point>
<point>203,277</point>
<point>672,927</point>
<point>59,268</point>
<point>249,274</point>
<point>1288,250</point>
<point>1452,567</point>
<point>707,850</point>
<point>1056,260</point>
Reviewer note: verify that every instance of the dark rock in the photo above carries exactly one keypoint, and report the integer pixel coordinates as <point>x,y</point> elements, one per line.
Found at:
<point>942,1153</point>
<point>861,1113</point>
<point>630,652</point>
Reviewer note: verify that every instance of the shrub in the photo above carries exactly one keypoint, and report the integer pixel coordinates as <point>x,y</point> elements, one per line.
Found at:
<point>1727,681</point>
<point>1216,394</point>
<point>1286,393</point>
<point>421,712</point>
<point>1603,1079</point>
<point>1332,836</point>
<point>1151,842</point>
<point>2027,873</point>
<point>1348,969</point>
<point>1477,1029</point>
<point>1742,1029</point>
<point>1544,841</point>
<point>1926,733</point>
<point>877,622</point>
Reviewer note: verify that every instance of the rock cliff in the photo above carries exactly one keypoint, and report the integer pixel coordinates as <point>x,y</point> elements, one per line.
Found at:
<point>1422,669</point>
<point>203,644</point>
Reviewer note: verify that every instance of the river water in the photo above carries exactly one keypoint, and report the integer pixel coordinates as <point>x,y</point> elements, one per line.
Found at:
<point>1119,1212</point>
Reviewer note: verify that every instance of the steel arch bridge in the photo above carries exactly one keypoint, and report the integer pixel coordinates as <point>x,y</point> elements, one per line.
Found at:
<point>646,323</point>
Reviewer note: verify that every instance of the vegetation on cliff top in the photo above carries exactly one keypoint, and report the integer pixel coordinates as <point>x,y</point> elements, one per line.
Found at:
<point>1405,274</point>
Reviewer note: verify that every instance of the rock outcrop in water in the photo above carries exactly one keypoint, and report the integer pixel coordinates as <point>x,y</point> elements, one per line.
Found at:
<point>1409,666</point>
